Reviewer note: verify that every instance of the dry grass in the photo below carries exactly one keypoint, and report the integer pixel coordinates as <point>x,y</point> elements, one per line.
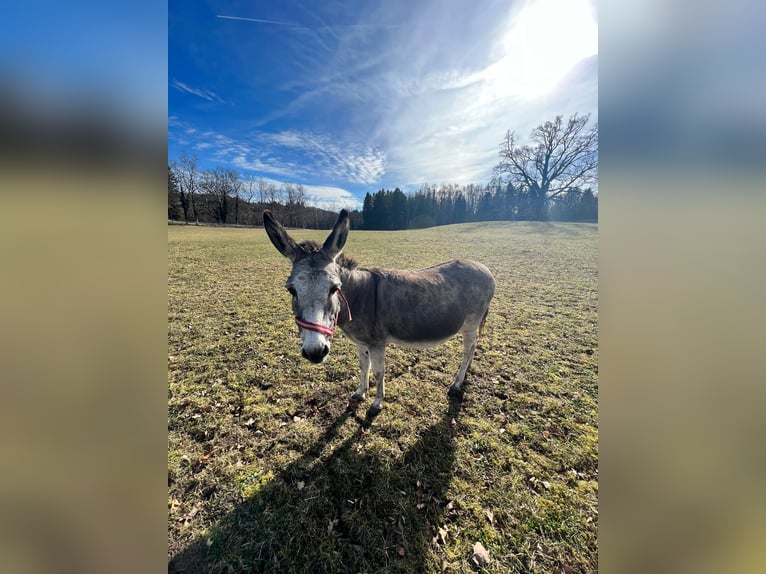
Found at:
<point>268,473</point>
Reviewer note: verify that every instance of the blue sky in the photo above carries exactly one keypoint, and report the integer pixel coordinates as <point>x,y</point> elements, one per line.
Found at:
<point>350,97</point>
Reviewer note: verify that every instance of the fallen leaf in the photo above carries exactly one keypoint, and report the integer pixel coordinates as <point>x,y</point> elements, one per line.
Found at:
<point>546,434</point>
<point>249,422</point>
<point>401,551</point>
<point>186,518</point>
<point>480,557</point>
<point>442,534</point>
<point>490,516</point>
<point>174,505</point>
<point>301,484</point>
<point>420,506</point>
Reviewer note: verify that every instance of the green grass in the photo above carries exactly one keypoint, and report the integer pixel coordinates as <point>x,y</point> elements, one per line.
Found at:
<point>268,473</point>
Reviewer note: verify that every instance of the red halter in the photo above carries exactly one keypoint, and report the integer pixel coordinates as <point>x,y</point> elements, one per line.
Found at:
<point>317,328</point>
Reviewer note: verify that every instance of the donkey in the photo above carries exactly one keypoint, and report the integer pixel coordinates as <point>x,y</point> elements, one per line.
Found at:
<point>416,308</point>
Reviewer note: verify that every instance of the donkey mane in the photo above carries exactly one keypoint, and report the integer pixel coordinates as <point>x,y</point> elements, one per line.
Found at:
<point>309,246</point>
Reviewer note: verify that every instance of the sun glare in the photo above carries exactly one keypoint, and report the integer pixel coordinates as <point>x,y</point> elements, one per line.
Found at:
<point>544,41</point>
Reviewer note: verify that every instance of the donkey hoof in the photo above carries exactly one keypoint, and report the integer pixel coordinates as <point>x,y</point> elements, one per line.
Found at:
<point>454,393</point>
<point>373,411</point>
<point>354,402</point>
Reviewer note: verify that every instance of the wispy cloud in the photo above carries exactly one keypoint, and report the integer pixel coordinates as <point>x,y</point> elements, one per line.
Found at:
<point>253,20</point>
<point>339,161</point>
<point>332,198</point>
<point>204,94</point>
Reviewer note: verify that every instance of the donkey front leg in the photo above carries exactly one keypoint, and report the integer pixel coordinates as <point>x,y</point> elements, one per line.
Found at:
<point>469,347</point>
<point>364,365</point>
<point>377,357</point>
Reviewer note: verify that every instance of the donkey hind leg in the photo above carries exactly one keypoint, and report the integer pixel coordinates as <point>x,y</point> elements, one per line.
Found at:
<point>378,359</point>
<point>470,339</point>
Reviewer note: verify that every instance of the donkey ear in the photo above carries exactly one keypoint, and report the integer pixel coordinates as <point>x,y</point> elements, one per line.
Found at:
<point>279,237</point>
<point>334,243</point>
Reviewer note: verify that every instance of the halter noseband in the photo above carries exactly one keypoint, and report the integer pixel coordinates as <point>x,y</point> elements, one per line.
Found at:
<point>318,328</point>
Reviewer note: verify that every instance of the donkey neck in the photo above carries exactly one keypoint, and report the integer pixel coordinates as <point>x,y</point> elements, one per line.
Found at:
<point>359,286</point>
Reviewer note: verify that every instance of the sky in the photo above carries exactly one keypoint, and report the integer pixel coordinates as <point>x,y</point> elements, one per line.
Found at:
<point>348,97</point>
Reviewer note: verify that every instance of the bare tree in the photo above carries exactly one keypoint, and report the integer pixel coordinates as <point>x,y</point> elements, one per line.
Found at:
<point>173,195</point>
<point>188,178</point>
<point>288,190</point>
<point>219,186</point>
<point>272,193</point>
<point>235,183</point>
<point>248,193</point>
<point>262,188</point>
<point>562,157</point>
<point>300,201</point>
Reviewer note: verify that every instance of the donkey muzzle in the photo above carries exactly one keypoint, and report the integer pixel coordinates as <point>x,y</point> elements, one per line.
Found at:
<point>316,355</point>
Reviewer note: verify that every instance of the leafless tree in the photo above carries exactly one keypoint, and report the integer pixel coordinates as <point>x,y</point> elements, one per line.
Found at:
<point>272,193</point>
<point>235,183</point>
<point>262,188</point>
<point>248,193</point>
<point>300,201</point>
<point>187,175</point>
<point>289,193</point>
<point>562,156</point>
<point>220,187</point>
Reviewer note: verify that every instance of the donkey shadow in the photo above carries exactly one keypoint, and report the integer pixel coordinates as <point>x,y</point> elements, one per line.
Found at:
<point>348,510</point>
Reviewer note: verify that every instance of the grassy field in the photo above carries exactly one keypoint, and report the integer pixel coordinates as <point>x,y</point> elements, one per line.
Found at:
<point>268,473</point>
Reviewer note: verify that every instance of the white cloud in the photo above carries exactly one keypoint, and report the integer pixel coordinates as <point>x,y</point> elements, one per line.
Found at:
<point>337,161</point>
<point>204,94</point>
<point>251,163</point>
<point>332,198</point>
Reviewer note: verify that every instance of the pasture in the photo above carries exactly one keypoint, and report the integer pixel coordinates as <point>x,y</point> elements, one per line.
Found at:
<point>267,472</point>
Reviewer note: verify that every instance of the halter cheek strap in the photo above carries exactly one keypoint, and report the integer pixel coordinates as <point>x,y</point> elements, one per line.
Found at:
<point>319,328</point>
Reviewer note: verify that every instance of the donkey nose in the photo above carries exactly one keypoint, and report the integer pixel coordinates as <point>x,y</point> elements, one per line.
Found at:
<point>316,355</point>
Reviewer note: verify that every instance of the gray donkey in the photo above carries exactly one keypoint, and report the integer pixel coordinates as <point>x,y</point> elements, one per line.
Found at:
<point>416,308</point>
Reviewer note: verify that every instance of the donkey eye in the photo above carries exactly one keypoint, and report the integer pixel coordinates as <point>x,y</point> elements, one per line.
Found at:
<point>333,289</point>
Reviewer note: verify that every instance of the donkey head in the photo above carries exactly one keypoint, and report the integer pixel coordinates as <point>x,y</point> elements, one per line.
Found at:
<point>314,283</point>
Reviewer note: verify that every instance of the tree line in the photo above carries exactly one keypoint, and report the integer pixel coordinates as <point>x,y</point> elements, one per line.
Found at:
<point>447,204</point>
<point>549,178</point>
<point>223,197</point>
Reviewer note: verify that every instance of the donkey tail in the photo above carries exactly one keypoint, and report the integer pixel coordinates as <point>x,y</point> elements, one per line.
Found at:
<point>483,320</point>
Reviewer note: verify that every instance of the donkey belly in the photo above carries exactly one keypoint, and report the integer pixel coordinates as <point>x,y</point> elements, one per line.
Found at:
<point>425,331</point>
<point>419,344</point>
